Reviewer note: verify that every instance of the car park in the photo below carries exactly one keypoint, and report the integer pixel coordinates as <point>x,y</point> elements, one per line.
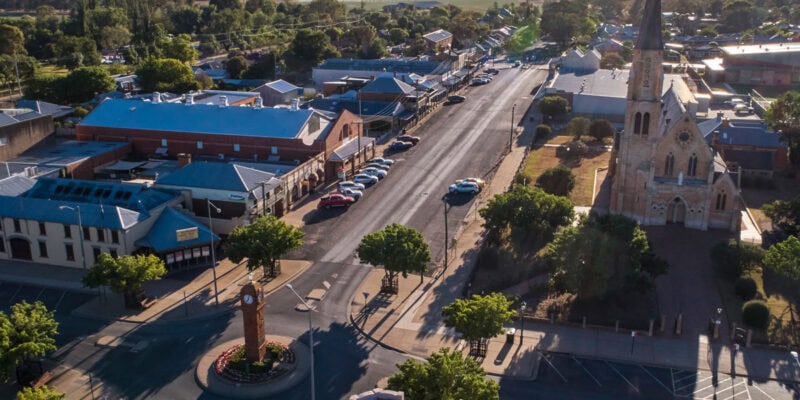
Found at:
<point>355,194</point>
<point>351,185</point>
<point>380,160</point>
<point>456,99</point>
<point>335,200</point>
<point>409,139</point>
<point>378,166</point>
<point>365,179</point>
<point>399,145</point>
<point>374,172</point>
<point>478,181</point>
<point>465,187</point>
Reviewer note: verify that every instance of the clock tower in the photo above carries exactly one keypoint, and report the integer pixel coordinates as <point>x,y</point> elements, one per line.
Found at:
<point>254,328</point>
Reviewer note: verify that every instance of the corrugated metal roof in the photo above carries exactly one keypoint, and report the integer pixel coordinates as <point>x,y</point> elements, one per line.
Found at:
<point>270,122</point>
<point>438,35</point>
<point>281,86</point>
<point>45,108</point>
<point>751,159</point>
<point>216,175</point>
<point>349,148</point>
<point>384,64</point>
<point>741,133</point>
<point>162,236</point>
<point>368,108</point>
<point>387,83</point>
<point>15,185</point>
<point>95,215</point>
<point>132,196</point>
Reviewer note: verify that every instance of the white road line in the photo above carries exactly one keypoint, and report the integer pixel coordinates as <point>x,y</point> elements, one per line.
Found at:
<point>656,379</point>
<point>672,376</point>
<point>694,383</point>
<point>544,357</point>
<point>39,295</point>
<point>622,376</point>
<point>15,294</point>
<point>685,377</point>
<point>763,392</point>
<point>63,293</point>
<point>706,387</point>
<point>747,389</point>
<point>587,371</point>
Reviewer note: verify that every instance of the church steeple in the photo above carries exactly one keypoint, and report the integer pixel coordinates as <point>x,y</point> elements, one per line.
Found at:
<point>650,31</point>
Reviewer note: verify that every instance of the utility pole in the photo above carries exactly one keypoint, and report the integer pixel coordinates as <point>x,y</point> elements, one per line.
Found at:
<point>446,234</point>
<point>16,68</point>
<point>511,133</point>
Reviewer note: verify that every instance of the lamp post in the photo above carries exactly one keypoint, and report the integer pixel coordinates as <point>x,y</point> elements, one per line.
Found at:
<point>446,232</point>
<point>522,308</point>
<point>511,132</point>
<point>213,254</point>
<point>77,210</point>
<point>310,336</point>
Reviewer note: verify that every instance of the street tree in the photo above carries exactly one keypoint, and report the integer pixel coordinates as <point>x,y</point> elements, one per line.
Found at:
<point>165,75</point>
<point>263,243</point>
<point>527,212</point>
<point>398,35</point>
<point>558,180</point>
<point>566,20</point>
<point>12,40</point>
<point>447,375</point>
<point>84,83</point>
<point>783,115</point>
<point>478,319</point>
<point>28,331</point>
<point>180,48</point>
<point>399,249</point>
<point>785,215</point>
<point>601,129</point>
<point>784,258</point>
<point>552,106</point>
<point>125,275</point>
<point>308,49</point>
<point>578,127</point>
<point>40,393</point>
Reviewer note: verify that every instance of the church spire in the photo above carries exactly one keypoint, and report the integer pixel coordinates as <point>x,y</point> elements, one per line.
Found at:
<point>650,31</point>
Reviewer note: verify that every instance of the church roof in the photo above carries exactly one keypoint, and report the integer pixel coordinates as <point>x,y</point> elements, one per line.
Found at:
<point>650,31</point>
<point>672,109</point>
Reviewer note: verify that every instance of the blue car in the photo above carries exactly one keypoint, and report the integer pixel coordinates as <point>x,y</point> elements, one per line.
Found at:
<point>398,145</point>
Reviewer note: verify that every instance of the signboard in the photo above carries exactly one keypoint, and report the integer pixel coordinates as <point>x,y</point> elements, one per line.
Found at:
<point>186,234</point>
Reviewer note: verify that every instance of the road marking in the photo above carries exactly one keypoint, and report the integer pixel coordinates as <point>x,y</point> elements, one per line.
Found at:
<point>587,371</point>
<point>63,293</point>
<point>40,294</point>
<point>747,389</point>
<point>765,393</point>
<point>15,294</point>
<point>544,357</point>
<point>326,285</point>
<point>685,377</point>
<point>694,383</point>
<point>622,376</point>
<point>711,385</point>
<point>656,379</point>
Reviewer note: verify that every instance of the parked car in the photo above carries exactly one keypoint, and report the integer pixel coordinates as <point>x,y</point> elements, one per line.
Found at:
<point>456,99</point>
<point>399,145</point>
<point>410,139</point>
<point>335,200</point>
<point>492,71</point>
<point>465,187</point>
<point>516,64</point>
<point>350,185</point>
<point>479,81</point>
<point>742,108</point>
<point>378,166</point>
<point>478,181</point>
<point>374,172</point>
<point>486,76</point>
<point>380,160</point>
<point>355,194</point>
<point>365,179</point>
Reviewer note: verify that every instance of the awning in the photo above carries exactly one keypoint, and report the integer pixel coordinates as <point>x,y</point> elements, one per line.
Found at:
<point>161,151</point>
<point>124,165</point>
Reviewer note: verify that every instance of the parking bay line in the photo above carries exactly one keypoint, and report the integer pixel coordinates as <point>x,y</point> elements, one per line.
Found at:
<point>694,383</point>
<point>39,295</point>
<point>623,377</point>
<point>733,389</point>
<point>763,392</point>
<point>15,294</point>
<point>712,385</point>
<point>657,380</point>
<point>58,303</point>
<point>587,371</point>
<point>544,357</point>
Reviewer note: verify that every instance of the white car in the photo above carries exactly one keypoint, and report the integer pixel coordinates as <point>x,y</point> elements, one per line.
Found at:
<point>384,167</point>
<point>380,160</point>
<point>355,194</point>
<point>350,185</point>
<point>480,182</point>
<point>379,173</point>
<point>365,179</point>
<point>465,187</point>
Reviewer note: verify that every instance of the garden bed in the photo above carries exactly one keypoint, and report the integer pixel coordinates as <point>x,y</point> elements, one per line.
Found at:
<point>232,364</point>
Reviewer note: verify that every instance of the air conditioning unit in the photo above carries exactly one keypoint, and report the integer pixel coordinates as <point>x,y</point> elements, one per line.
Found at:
<point>221,156</point>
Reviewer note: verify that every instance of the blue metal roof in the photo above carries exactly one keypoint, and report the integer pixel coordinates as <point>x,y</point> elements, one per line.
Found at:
<point>95,215</point>
<point>283,123</point>
<point>216,175</point>
<point>741,133</point>
<point>162,236</point>
<point>387,83</point>
<point>383,64</point>
<point>132,196</point>
<point>368,108</point>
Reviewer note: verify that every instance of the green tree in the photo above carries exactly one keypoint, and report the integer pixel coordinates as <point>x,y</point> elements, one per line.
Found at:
<point>557,180</point>
<point>166,75</point>
<point>308,49</point>
<point>264,68</point>
<point>543,132</point>
<point>398,35</point>
<point>76,51</point>
<point>185,19</point>
<point>566,21</point>
<point>784,115</point>
<point>784,258</point>
<point>28,331</point>
<point>236,66</point>
<point>180,48</point>
<point>601,129</point>
<point>578,127</point>
<point>399,249</point>
<point>478,318</point>
<point>738,16</point>
<point>12,40</point>
<point>263,243</point>
<point>611,61</point>
<point>43,87</point>
<point>785,215</point>
<point>733,258</point>
<point>84,83</point>
<point>527,211</point>
<point>125,275</point>
<point>225,4</point>
<point>552,106</point>
<point>447,375</point>
<point>40,393</point>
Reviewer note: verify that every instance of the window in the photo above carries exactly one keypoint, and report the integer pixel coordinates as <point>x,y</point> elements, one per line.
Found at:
<point>86,235</point>
<point>3,140</point>
<point>101,235</point>
<point>163,142</point>
<point>721,200</point>
<point>96,253</point>
<point>114,237</point>
<point>200,145</point>
<point>2,245</point>
<point>42,229</point>
<point>17,226</point>
<point>70,252</point>
<point>274,150</point>
<point>692,171</point>
<point>646,124</point>
<point>113,252</point>
<point>669,164</point>
<point>67,231</point>
<point>236,148</point>
<point>637,124</point>
<point>346,132</point>
<point>43,249</point>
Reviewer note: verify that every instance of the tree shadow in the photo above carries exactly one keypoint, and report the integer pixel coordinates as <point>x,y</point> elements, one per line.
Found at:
<point>341,346</point>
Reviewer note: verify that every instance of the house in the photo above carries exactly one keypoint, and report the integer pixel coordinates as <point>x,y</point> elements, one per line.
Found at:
<point>750,144</point>
<point>278,92</point>
<point>214,70</point>
<point>606,46</point>
<point>417,5</point>
<point>56,111</point>
<point>334,69</point>
<point>439,40</point>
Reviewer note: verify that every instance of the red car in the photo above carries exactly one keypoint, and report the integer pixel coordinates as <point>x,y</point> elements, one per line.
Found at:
<point>335,200</point>
<point>409,139</point>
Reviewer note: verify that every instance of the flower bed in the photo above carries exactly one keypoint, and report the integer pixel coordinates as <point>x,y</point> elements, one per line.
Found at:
<point>232,365</point>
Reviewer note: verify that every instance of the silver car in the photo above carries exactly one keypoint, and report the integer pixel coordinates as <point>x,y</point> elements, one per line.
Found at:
<point>350,185</point>
<point>365,179</point>
<point>379,173</point>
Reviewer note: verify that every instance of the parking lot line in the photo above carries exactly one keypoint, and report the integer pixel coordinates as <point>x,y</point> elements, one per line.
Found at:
<point>712,385</point>
<point>657,380</point>
<point>58,303</point>
<point>544,357</point>
<point>694,375</point>
<point>587,371</point>
<point>694,383</point>
<point>39,295</point>
<point>622,376</point>
<point>733,389</point>
<point>763,392</point>
<point>11,299</point>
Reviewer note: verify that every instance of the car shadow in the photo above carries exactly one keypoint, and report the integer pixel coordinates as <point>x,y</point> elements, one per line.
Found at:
<point>458,199</point>
<point>321,215</point>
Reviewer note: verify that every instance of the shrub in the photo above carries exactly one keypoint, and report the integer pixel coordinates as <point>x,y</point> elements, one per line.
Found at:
<point>578,127</point>
<point>542,132</point>
<point>745,288</point>
<point>755,314</point>
<point>572,149</point>
<point>522,178</point>
<point>730,259</point>
<point>601,129</point>
<point>488,258</point>
<point>557,180</point>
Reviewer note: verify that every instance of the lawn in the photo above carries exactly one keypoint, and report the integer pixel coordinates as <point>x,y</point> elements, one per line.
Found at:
<point>542,158</point>
<point>53,70</point>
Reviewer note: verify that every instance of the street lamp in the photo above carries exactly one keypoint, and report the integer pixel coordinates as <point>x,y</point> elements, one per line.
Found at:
<point>213,254</point>
<point>511,133</point>
<point>77,210</point>
<point>522,308</point>
<point>310,335</point>
<point>446,233</point>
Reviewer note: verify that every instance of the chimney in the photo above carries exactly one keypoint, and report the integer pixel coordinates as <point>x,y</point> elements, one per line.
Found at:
<point>715,140</point>
<point>259,103</point>
<point>720,114</point>
<point>726,123</point>
<point>223,101</point>
<point>295,104</point>
<point>156,97</point>
<point>184,159</point>
<point>189,98</point>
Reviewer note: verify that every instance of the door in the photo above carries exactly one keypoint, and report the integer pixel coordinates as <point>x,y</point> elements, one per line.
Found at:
<point>676,213</point>
<point>20,249</point>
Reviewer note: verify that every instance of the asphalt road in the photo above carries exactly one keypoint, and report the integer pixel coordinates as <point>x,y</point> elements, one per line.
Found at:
<point>466,139</point>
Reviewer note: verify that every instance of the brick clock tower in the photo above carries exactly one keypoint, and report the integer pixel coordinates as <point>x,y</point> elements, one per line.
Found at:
<point>254,328</point>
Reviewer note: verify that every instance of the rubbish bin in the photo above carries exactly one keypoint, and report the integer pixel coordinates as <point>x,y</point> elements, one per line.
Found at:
<point>510,335</point>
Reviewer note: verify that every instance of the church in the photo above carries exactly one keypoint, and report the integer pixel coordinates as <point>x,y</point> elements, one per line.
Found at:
<point>662,170</point>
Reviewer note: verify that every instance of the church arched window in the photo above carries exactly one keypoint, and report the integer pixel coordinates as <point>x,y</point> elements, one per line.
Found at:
<point>646,124</point>
<point>722,198</point>
<point>637,124</point>
<point>669,164</point>
<point>692,170</point>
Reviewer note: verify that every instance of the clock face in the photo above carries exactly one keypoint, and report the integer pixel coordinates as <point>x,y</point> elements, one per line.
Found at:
<point>248,299</point>
<point>684,137</point>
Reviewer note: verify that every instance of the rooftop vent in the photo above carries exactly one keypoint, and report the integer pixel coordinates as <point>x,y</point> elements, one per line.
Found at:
<point>259,103</point>
<point>189,98</point>
<point>156,97</point>
<point>223,101</point>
